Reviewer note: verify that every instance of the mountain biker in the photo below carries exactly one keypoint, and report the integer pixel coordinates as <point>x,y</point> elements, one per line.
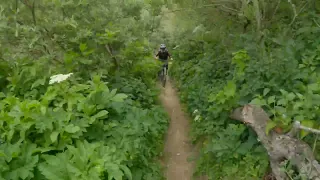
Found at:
<point>163,55</point>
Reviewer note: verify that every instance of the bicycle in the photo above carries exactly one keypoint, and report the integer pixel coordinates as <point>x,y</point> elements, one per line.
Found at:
<point>163,75</point>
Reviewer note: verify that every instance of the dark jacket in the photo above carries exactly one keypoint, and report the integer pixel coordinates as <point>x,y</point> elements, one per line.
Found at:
<point>163,55</point>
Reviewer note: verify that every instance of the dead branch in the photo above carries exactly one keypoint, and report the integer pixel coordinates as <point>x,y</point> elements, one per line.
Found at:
<point>280,147</point>
<point>109,49</point>
<point>316,22</point>
<point>275,10</point>
<point>296,14</point>
<point>32,9</point>
<point>298,126</point>
<point>17,5</point>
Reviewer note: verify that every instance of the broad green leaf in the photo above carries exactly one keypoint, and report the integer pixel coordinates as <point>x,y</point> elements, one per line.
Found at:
<point>307,123</point>
<point>299,118</point>
<point>113,92</point>
<point>283,92</point>
<point>114,171</point>
<point>266,91</point>
<point>298,105</point>
<point>54,136</point>
<point>282,102</point>
<point>101,114</point>
<point>271,99</point>
<point>51,172</point>
<point>88,52</point>
<point>85,61</point>
<point>73,169</point>
<point>38,82</point>
<point>82,47</point>
<point>72,128</point>
<point>119,97</point>
<point>2,154</point>
<point>126,171</point>
<point>300,96</point>
<point>96,79</point>
<point>291,96</point>
<point>280,110</point>
<point>313,87</point>
<point>211,97</point>
<point>2,95</point>
<point>270,125</point>
<point>43,110</point>
<point>230,89</point>
<point>260,102</point>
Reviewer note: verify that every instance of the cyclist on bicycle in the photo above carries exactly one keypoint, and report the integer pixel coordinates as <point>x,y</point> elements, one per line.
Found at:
<point>163,55</point>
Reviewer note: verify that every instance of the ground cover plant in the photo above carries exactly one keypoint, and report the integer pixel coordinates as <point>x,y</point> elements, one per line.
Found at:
<point>233,53</point>
<point>78,97</point>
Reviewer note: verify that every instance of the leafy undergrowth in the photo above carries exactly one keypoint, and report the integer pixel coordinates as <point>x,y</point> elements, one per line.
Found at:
<point>100,118</point>
<point>219,66</point>
<point>79,131</point>
<point>229,148</point>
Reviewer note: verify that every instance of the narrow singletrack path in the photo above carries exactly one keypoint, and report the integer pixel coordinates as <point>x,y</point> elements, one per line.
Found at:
<point>178,148</point>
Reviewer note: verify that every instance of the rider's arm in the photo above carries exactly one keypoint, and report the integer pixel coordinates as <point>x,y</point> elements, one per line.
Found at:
<point>157,55</point>
<point>169,55</point>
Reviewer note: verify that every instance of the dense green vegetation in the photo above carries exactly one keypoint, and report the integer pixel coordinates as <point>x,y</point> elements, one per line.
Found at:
<point>103,122</point>
<point>236,52</point>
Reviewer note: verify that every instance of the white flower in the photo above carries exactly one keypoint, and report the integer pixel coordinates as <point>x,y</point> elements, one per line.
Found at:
<point>195,111</point>
<point>59,78</point>
<point>197,118</point>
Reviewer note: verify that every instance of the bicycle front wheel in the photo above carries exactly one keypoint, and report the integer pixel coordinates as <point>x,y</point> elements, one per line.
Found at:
<point>164,78</point>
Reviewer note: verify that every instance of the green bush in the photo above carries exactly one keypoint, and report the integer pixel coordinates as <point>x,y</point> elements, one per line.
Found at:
<point>221,67</point>
<point>80,131</point>
<point>103,122</point>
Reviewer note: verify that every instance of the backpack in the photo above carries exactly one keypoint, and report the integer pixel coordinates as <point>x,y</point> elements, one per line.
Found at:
<point>164,54</point>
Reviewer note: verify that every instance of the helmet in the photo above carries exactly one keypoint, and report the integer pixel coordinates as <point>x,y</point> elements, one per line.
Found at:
<point>162,46</point>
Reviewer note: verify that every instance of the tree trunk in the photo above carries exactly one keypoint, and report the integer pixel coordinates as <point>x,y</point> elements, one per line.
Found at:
<point>280,147</point>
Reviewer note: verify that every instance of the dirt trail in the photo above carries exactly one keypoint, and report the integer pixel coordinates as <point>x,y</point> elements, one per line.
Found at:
<point>178,148</point>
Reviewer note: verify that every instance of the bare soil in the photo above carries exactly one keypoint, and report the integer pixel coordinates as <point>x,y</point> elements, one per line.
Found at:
<point>178,147</point>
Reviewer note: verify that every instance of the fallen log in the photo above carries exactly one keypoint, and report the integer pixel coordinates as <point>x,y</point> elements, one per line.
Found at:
<point>280,147</point>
